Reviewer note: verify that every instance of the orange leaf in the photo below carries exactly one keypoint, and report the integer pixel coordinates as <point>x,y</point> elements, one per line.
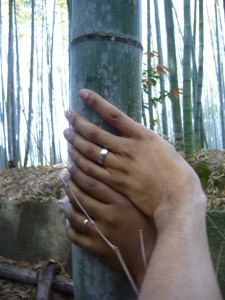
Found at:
<point>152,54</point>
<point>176,92</point>
<point>161,69</point>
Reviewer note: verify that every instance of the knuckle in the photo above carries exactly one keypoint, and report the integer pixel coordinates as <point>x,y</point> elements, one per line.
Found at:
<point>89,184</point>
<point>89,151</point>
<point>114,115</point>
<point>93,133</point>
<point>118,183</point>
<point>88,169</point>
<point>111,221</point>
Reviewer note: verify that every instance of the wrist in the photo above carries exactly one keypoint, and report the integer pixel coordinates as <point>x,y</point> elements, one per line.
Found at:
<point>173,213</point>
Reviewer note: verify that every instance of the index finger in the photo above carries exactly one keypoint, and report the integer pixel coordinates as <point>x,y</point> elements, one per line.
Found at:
<point>111,114</point>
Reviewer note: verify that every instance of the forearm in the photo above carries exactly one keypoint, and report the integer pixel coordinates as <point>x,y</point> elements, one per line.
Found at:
<point>150,173</point>
<point>180,266</point>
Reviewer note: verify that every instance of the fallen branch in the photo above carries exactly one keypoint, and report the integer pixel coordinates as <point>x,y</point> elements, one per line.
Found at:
<point>27,276</point>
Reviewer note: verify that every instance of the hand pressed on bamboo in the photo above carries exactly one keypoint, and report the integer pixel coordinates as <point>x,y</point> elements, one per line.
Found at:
<point>114,222</point>
<point>150,174</point>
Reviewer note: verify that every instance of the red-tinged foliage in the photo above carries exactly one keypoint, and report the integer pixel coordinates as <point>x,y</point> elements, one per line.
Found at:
<point>152,54</point>
<point>176,92</point>
<point>161,69</point>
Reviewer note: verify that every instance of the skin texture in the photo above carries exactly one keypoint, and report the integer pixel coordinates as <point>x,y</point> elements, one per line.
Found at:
<point>149,173</point>
<point>131,159</point>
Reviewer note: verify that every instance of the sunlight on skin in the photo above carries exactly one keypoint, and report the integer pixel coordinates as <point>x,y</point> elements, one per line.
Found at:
<point>148,171</point>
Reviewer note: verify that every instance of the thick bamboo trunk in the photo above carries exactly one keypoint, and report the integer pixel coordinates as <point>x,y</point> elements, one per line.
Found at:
<point>106,56</point>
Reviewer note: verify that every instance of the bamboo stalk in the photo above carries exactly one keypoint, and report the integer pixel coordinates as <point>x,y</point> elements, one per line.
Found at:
<point>45,278</point>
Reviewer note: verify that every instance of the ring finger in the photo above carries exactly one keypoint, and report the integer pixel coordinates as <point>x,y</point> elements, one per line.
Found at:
<point>94,187</point>
<point>97,188</point>
<point>87,166</point>
<point>88,149</point>
<point>76,219</point>
<point>94,208</point>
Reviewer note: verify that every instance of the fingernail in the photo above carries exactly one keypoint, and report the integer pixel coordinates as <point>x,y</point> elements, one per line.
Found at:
<point>67,132</point>
<point>65,200</point>
<point>83,94</point>
<point>67,223</point>
<point>64,176</point>
<point>69,167</point>
<point>68,114</point>
<point>71,151</point>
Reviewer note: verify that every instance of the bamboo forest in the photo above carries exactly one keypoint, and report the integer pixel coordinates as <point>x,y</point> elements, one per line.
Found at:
<point>183,77</point>
<point>161,62</point>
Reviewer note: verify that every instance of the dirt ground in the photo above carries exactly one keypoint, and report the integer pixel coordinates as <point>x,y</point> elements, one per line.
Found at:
<point>10,290</point>
<point>43,183</point>
<point>214,185</point>
<point>32,183</point>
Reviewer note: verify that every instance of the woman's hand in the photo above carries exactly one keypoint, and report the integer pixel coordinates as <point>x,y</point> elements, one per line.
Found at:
<point>118,219</point>
<point>140,164</point>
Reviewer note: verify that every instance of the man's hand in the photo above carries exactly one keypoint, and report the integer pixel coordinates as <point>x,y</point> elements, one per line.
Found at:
<point>147,171</point>
<point>140,164</point>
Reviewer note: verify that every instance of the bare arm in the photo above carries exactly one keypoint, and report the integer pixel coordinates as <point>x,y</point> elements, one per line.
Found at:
<point>181,266</point>
<point>149,172</point>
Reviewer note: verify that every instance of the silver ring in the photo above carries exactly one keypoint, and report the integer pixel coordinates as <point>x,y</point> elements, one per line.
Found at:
<point>84,224</point>
<point>102,156</point>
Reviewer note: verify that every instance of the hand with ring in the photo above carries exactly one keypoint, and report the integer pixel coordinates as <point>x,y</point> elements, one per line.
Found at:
<point>102,156</point>
<point>139,164</point>
<point>118,220</point>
